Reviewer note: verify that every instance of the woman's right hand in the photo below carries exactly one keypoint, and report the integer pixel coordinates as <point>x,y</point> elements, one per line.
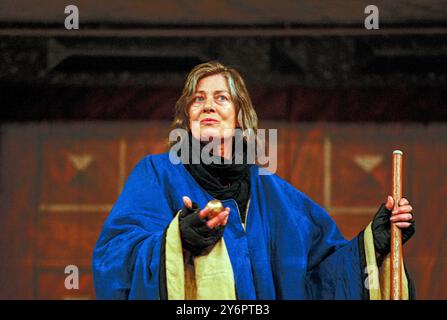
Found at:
<point>200,232</point>
<point>219,220</point>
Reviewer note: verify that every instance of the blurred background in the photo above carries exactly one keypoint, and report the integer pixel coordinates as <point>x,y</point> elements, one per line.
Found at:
<point>80,107</point>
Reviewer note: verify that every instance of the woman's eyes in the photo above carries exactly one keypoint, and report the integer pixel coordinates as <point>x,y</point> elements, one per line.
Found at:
<point>221,98</point>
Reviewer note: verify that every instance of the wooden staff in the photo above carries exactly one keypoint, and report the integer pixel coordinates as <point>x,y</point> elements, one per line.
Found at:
<point>396,233</point>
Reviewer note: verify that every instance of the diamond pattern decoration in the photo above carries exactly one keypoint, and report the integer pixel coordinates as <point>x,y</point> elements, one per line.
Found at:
<point>80,161</point>
<point>368,162</point>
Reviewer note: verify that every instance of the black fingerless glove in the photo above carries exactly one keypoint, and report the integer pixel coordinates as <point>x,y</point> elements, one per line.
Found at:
<point>196,236</point>
<point>381,231</point>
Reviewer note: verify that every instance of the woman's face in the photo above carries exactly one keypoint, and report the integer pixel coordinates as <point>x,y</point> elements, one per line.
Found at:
<point>212,113</point>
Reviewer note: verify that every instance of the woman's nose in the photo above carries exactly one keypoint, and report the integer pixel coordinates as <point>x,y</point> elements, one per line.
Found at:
<point>209,106</point>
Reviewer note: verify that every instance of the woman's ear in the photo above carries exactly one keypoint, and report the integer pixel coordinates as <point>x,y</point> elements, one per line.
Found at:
<point>239,120</point>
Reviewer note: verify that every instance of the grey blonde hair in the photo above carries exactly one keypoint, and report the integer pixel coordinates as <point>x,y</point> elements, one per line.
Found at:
<point>246,114</point>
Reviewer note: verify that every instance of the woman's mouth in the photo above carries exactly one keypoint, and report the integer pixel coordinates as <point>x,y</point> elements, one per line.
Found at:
<point>208,121</point>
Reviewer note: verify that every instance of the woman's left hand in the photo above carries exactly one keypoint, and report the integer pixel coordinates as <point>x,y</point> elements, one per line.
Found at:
<point>402,217</point>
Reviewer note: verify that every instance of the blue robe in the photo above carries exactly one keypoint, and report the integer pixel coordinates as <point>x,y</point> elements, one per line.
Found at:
<point>290,248</point>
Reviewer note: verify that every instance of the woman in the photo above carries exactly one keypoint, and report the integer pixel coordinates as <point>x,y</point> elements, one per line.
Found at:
<point>268,241</point>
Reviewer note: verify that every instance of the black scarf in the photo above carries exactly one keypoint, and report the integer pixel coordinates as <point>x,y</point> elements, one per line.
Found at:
<point>222,181</point>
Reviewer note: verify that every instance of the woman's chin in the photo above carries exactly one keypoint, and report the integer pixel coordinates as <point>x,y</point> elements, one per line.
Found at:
<point>208,134</point>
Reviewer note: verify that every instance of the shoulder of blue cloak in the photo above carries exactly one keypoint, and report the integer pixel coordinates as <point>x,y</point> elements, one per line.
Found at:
<point>273,180</point>
<point>159,158</point>
<point>158,162</point>
<point>272,183</point>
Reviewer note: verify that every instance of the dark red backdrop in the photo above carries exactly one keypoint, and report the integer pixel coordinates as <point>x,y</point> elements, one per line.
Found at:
<point>60,179</point>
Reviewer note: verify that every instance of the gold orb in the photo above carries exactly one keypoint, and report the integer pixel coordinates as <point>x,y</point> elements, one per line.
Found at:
<point>215,207</point>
